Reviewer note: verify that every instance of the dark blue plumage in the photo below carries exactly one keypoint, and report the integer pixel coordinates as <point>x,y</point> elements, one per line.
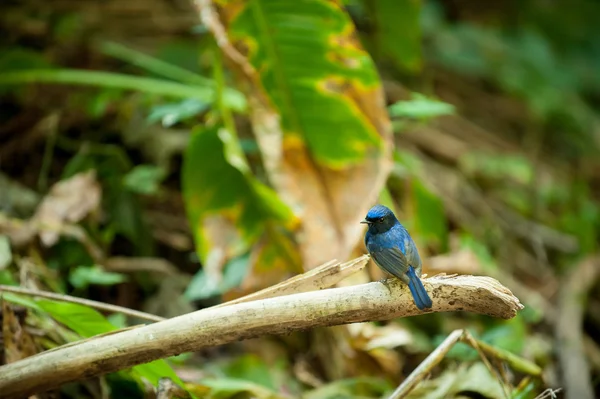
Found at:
<point>394,251</point>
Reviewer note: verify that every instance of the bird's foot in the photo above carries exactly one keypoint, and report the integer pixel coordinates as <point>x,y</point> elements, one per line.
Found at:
<point>384,281</point>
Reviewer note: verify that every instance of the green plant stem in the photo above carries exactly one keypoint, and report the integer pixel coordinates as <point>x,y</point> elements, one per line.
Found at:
<point>515,362</point>
<point>232,146</point>
<point>121,81</point>
<point>42,182</point>
<point>154,65</point>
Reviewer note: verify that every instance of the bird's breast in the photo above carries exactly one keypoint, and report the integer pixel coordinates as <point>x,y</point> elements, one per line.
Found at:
<point>381,241</point>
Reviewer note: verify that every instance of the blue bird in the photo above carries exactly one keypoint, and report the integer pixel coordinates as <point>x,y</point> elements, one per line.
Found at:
<point>394,251</point>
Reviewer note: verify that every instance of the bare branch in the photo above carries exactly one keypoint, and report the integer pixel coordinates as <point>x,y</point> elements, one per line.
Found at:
<point>221,325</point>
<point>427,365</point>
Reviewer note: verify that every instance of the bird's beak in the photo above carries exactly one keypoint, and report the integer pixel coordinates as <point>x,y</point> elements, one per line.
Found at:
<point>365,221</point>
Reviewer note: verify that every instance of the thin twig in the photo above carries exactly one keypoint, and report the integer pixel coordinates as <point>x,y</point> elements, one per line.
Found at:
<point>468,339</point>
<point>427,365</point>
<point>482,348</point>
<point>515,362</point>
<point>86,302</point>
<point>549,394</point>
<point>210,19</point>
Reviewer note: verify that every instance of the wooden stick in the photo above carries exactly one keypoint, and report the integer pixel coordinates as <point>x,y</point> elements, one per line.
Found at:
<point>221,325</point>
<point>427,365</point>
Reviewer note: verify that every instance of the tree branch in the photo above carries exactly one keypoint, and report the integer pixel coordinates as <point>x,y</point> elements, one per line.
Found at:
<point>221,325</point>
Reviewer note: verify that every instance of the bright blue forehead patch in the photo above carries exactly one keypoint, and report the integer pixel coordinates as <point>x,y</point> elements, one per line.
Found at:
<point>378,211</point>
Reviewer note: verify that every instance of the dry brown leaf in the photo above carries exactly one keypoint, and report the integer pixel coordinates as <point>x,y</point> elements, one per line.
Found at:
<point>379,342</point>
<point>324,276</point>
<point>18,344</point>
<point>69,201</point>
<point>329,202</point>
<point>125,264</point>
<point>20,232</point>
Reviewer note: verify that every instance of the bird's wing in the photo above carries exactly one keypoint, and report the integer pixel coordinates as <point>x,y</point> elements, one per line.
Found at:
<point>412,255</point>
<point>393,261</point>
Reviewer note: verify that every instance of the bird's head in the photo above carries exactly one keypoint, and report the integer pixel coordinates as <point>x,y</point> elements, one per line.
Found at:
<point>380,218</point>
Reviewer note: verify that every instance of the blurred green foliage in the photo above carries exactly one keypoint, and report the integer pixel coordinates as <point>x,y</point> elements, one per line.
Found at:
<point>542,59</point>
<point>308,66</point>
<point>87,322</point>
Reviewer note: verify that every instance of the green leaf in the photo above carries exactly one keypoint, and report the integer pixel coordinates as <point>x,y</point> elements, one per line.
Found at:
<point>6,278</point>
<point>406,164</point>
<point>312,69</point>
<point>144,179</point>
<point>204,286</point>
<point>118,320</point>
<point>5,252</point>
<point>156,65</point>
<point>429,217</point>
<point>122,81</point>
<point>498,166</point>
<point>68,28</point>
<point>223,388</point>
<point>18,59</point>
<point>82,276</point>
<point>527,389</point>
<point>171,114</point>
<point>156,370</point>
<point>98,104</point>
<point>253,369</point>
<point>84,320</point>
<point>385,198</point>
<point>583,219</point>
<point>509,335</point>
<point>216,181</point>
<point>360,387</point>
<point>480,250</point>
<point>88,322</point>
<point>20,300</point>
<point>398,31</point>
<point>420,107</point>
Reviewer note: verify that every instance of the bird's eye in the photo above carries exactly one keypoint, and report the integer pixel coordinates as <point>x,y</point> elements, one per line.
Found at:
<point>380,219</point>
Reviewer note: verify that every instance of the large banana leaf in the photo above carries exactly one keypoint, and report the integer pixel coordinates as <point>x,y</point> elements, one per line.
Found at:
<point>311,68</point>
<point>318,112</point>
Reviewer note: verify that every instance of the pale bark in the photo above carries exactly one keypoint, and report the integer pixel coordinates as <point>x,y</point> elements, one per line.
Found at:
<point>221,325</point>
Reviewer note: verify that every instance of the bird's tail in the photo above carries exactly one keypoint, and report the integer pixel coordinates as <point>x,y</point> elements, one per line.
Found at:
<point>420,296</point>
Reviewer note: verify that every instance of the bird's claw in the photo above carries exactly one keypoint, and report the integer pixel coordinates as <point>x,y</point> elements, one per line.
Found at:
<point>384,281</point>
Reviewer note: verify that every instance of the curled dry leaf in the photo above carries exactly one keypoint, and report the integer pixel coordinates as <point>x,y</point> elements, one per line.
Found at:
<point>18,343</point>
<point>379,343</point>
<point>324,276</point>
<point>19,232</point>
<point>69,201</point>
